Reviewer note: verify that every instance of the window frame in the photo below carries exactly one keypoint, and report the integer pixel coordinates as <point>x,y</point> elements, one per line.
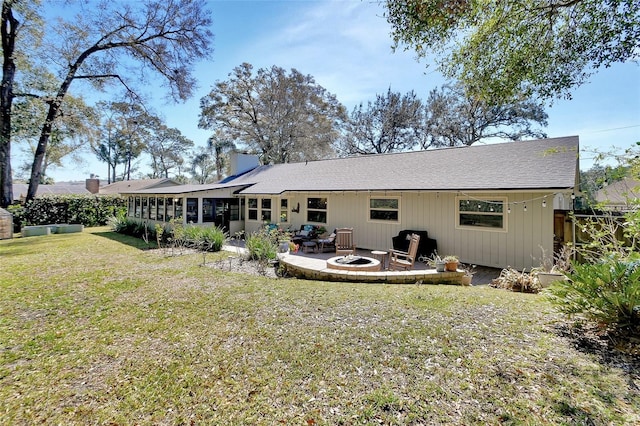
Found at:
<point>483,199</point>
<point>252,209</point>
<point>317,210</point>
<point>382,209</point>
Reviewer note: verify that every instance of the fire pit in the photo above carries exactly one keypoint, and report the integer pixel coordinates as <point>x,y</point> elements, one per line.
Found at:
<point>354,263</point>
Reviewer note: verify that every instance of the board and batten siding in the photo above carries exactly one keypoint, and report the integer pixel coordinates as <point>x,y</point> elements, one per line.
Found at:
<point>520,246</point>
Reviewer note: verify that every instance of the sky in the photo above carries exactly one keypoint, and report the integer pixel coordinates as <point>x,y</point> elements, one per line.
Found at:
<point>345,45</point>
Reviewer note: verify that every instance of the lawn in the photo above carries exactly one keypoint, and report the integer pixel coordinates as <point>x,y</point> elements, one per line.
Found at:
<point>95,330</point>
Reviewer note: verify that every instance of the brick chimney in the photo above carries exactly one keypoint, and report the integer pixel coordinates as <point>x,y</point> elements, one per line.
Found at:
<point>92,184</point>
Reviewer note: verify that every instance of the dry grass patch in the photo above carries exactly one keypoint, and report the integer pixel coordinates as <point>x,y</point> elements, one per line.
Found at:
<point>95,330</point>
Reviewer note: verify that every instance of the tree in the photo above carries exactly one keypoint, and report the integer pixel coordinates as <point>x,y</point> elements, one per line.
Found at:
<point>282,117</point>
<point>203,166</point>
<point>391,123</point>
<point>220,146</point>
<point>500,49</point>
<point>107,41</point>
<point>454,118</point>
<point>167,148</point>
<point>73,130</point>
<point>122,136</point>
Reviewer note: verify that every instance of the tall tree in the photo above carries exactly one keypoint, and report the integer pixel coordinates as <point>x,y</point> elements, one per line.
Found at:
<point>392,123</point>
<point>502,48</point>
<point>74,130</point>
<point>282,117</point>
<point>123,136</point>
<point>167,148</point>
<point>106,41</point>
<point>220,147</point>
<point>455,118</point>
<point>203,166</point>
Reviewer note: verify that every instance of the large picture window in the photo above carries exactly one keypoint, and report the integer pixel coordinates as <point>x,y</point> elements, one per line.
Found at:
<point>482,213</point>
<point>384,209</point>
<point>317,210</point>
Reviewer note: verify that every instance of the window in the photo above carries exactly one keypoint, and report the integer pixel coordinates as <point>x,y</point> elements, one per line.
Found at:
<point>131,207</point>
<point>252,204</point>
<point>145,207</point>
<point>137,207</point>
<point>482,213</point>
<point>317,210</point>
<point>178,207</point>
<point>192,210</point>
<point>284,210</point>
<point>208,209</point>
<point>266,209</point>
<point>385,209</point>
<point>234,209</point>
<point>170,213</point>
<point>152,208</point>
<point>160,215</point>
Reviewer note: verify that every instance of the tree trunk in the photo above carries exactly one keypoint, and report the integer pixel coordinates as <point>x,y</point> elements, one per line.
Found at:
<point>9,27</point>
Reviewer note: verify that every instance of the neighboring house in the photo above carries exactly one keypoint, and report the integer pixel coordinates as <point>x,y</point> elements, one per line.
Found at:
<point>620,195</point>
<point>496,205</point>
<point>78,188</point>
<point>129,185</point>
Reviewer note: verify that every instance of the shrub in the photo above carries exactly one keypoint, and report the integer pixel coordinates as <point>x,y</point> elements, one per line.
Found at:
<point>204,238</point>
<point>88,210</point>
<point>175,235</point>
<point>606,288</point>
<point>262,245</point>
<point>607,293</point>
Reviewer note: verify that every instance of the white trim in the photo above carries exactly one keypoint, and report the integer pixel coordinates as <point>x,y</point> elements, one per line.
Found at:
<point>384,197</point>
<point>487,198</point>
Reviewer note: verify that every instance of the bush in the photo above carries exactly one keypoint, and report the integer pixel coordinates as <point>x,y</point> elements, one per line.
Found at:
<point>88,210</point>
<point>204,238</point>
<point>262,245</point>
<point>607,293</point>
<point>174,234</point>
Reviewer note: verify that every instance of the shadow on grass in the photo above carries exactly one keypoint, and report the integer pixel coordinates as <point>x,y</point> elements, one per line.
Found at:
<point>134,242</point>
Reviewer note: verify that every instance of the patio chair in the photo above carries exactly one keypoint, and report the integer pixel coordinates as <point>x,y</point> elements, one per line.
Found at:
<point>327,244</point>
<point>404,260</point>
<point>344,242</point>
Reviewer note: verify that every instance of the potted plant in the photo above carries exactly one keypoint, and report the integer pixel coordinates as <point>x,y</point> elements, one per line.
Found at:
<point>469,270</point>
<point>436,262</point>
<point>451,263</point>
<point>552,268</point>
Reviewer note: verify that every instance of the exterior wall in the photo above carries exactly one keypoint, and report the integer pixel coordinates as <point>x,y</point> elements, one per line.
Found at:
<point>519,245</point>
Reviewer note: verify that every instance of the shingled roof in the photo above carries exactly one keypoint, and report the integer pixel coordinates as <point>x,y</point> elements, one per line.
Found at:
<point>127,186</point>
<point>527,165</point>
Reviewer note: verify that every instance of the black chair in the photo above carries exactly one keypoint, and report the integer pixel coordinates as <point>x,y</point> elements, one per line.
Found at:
<point>426,248</point>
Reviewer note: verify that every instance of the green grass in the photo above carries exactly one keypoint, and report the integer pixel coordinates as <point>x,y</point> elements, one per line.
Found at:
<point>94,330</point>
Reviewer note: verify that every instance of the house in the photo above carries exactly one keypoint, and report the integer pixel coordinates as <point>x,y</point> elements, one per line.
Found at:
<point>620,195</point>
<point>64,188</point>
<point>496,205</point>
<point>121,186</point>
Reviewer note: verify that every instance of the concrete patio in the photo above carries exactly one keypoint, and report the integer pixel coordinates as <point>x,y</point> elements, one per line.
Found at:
<point>313,265</point>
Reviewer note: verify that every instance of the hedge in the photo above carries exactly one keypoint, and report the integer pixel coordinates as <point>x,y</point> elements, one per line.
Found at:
<point>88,210</point>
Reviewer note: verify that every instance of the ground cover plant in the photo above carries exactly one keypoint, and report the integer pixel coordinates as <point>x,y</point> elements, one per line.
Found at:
<point>94,330</point>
